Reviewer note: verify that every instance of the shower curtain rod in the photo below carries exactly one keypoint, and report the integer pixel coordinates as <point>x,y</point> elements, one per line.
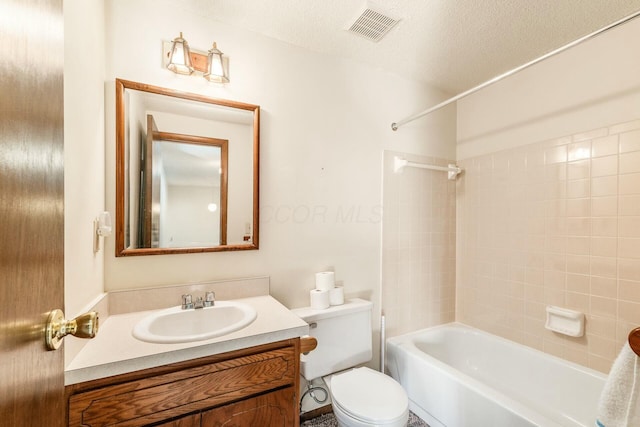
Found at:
<point>396,125</point>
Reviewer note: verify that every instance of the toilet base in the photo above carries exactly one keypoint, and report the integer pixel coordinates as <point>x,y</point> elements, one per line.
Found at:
<point>345,420</point>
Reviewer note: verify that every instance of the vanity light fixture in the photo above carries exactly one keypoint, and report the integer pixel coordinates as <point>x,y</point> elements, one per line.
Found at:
<point>182,60</point>
<point>180,56</point>
<point>215,67</point>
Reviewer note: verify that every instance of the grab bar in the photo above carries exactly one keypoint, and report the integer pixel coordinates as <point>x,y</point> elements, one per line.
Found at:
<point>634,340</point>
<point>399,163</point>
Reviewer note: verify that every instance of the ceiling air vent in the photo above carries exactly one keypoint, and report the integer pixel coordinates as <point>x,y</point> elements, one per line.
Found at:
<point>372,25</point>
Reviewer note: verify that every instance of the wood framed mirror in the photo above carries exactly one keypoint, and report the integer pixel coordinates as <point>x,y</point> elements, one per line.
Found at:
<point>187,172</point>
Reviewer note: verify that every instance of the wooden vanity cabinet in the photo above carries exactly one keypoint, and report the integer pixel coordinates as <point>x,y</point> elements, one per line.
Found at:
<point>258,386</point>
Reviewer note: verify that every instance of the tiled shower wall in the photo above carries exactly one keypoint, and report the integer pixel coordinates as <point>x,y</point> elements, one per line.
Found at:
<point>553,223</point>
<point>418,244</point>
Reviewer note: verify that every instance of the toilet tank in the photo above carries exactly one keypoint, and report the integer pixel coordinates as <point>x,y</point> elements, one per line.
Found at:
<point>344,337</point>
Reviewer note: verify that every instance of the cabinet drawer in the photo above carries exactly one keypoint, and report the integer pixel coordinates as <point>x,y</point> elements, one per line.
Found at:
<point>161,397</point>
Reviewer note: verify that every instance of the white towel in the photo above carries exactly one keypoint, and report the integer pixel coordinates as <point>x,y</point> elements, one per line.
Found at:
<point>619,404</point>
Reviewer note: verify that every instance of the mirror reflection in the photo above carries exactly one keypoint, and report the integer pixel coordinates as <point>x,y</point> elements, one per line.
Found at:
<point>187,178</point>
<point>183,191</point>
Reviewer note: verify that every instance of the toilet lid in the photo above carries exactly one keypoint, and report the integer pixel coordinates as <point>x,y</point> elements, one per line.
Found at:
<point>369,395</point>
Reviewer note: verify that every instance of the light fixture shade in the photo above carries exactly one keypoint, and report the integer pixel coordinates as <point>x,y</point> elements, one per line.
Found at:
<point>179,58</point>
<point>215,67</point>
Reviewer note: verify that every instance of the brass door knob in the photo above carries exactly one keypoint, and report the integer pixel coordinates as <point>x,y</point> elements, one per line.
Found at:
<point>83,326</point>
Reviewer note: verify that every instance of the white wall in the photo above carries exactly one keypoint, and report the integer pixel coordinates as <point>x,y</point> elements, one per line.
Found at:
<point>84,180</point>
<point>202,227</point>
<point>588,86</point>
<point>323,132</point>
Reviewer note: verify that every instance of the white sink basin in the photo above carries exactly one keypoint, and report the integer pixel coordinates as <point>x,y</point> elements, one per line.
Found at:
<point>175,325</point>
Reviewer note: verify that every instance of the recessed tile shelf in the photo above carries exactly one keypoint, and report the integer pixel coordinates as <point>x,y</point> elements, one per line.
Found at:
<point>565,321</point>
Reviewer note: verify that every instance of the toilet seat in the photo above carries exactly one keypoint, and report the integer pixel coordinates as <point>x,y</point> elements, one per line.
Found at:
<point>369,396</point>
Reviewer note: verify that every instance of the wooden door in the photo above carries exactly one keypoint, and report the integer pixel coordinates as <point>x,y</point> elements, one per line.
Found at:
<point>31,210</point>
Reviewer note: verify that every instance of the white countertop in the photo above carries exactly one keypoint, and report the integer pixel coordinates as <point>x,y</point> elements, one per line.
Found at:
<point>115,351</point>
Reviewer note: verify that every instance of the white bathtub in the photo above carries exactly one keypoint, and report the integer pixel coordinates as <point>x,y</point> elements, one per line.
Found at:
<point>457,376</point>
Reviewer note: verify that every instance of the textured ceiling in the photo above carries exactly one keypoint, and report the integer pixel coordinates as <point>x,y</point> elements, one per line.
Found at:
<point>451,44</point>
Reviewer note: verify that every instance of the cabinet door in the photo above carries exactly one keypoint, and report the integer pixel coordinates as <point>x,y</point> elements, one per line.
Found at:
<point>275,409</point>
<point>188,421</point>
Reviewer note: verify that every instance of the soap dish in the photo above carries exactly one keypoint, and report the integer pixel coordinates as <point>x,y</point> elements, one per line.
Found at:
<point>565,321</point>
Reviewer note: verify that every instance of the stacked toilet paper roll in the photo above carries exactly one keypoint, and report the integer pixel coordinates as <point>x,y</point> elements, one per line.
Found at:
<point>336,296</point>
<point>319,299</point>
<point>326,293</point>
<point>325,280</point>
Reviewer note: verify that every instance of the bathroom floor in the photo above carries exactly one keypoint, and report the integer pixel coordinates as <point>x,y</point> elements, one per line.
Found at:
<point>329,420</point>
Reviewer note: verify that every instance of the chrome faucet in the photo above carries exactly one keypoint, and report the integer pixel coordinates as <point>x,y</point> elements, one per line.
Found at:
<point>187,302</point>
<point>209,301</point>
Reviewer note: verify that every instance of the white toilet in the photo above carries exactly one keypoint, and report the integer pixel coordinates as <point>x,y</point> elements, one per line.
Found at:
<point>361,397</point>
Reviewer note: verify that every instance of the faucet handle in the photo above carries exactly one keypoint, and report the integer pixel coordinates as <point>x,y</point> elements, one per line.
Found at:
<point>199,303</point>
<point>209,299</point>
<point>187,302</point>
